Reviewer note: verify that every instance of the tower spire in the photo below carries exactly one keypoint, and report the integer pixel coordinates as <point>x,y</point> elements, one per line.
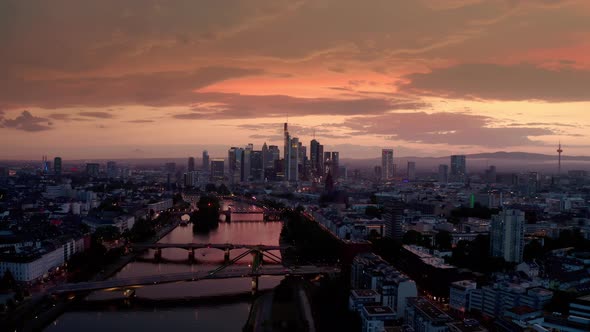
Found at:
<point>559,151</point>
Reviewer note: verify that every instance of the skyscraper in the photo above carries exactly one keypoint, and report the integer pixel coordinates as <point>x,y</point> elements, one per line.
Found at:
<point>507,235</point>
<point>314,157</point>
<point>256,166</point>
<point>234,159</point>
<point>246,162</point>
<point>111,169</point>
<point>287,152</point>
<point>217,169</point>
<point>443,173</point>
<point>191,164</point>
<point>411,170</point>
<point>335,164</point>
<point>206,161</point>
<point>458,169</point>
<point>293,172</point>
<point>393,219</point>
<point>387,164</point>
<point>57,166</point>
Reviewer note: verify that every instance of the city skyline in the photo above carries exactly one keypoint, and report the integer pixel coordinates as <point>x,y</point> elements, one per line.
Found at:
<point>458,77</point>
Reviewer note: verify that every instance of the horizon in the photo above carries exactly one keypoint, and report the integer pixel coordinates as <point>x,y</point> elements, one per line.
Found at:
<point>424,77</point>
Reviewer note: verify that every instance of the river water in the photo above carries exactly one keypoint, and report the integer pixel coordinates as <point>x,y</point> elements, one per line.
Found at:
<point>194,317</point>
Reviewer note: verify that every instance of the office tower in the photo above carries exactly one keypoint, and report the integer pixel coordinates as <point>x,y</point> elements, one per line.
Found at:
<point>267,160</point>
<point>293,171</point>
<point>411,171</point>
<point>206,161</point>
<point>387,164</point>
<point>57,166</point>
<point>458,169</point>
<point>246,162</point>
<point>111,169</point>
<point>190,179</point>
<point>217,169</point>
<point>335,164</point>
<point>327,160</point>
<point>235,164</point>
<point>170,168</point>
<point>443,173</point>
<point>286,152</point>
<point>393,219</point>
<point>315,157</point>
<point>507,235</point>
<point>92,169</point>
<point>191,164</point>
<point>302,162</point>
<point>256,166</point>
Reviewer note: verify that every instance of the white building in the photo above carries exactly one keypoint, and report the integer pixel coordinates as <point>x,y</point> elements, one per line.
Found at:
<point>507,235</point>
<point>374,317</point>
<point>460,292</point>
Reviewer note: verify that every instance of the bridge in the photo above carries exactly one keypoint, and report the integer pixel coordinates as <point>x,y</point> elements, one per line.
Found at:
<point>191,247</point>
<point>134,282</point>
<point>227,270</point>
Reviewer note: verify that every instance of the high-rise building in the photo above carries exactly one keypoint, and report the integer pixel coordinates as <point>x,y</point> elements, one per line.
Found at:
<point>315,158</point>
<point>256,166</point>
<point>191,164</point>
<point>267,160</point>
<point>206,163</point>
<point>458,169</point>
<point>377,172</point>
<point>286,152</point>
<point>112,169</point>
<point>57,166</point>
<point>293,171</point>
<point>335,158</point>
<point>217,169</point>
<point>92,169</point>
<point>507,235</point>
<point>246,162</point>
<point>411,171</point>
<point>387,164</point>
<point>443,173</point>
<point>234,160</point>
<point>393,219</point>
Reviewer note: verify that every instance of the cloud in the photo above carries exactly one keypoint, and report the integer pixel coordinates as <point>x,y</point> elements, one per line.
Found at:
<point>150,89</point>
<point>444,128</point>
<point>27,122</point>
<point>140,121</point>
<point>502,82</point>
<point>238,106</point>
<point>98,115</point>
<point>275,131</point>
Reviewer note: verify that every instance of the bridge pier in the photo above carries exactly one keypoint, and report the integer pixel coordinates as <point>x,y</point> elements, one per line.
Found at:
<point>158,253</point>
<point>191,255</point>
<point>254,285</point>
<point>226,256</point>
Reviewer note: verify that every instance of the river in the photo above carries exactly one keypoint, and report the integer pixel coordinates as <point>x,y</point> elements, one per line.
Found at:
<point>194,317</point>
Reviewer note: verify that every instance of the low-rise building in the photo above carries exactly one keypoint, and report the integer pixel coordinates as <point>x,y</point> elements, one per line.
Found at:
<point>374,317</point>
<point>424,316</point>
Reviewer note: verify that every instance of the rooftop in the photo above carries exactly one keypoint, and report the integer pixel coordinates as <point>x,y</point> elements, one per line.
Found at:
<point>364,293</point>
<point>378,310</point>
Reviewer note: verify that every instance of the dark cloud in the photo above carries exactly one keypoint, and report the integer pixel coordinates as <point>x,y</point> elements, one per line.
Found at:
<point>151,89</point>
<point>499,82</point>
<point>98,115</point>
<point>237,106</point>
<point>444,128</point>
<point>27,122</point>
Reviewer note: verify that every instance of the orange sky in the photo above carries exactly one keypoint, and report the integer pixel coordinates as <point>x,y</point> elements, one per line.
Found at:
<point>150,78</point>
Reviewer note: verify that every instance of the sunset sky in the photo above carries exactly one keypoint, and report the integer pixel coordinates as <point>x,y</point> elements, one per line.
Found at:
<point>148,78</point>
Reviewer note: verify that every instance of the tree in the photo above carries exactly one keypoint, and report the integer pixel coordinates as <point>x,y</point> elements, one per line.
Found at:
<point>210,188</point>
<point>207,215</point>
<point>444,240</point>
<point>412,237</point>
<point>223,190</point>
<point>8,281</point>
<point>107,233</point>
<point>533,250</point>
<point>177,198</point>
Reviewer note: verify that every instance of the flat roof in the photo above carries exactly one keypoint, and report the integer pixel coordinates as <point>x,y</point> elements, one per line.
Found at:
<point>430,310</point>
<point>364,292</point>
<point>378,310</point>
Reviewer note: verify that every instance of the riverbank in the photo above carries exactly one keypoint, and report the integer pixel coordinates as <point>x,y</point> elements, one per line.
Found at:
<point>34,321</point>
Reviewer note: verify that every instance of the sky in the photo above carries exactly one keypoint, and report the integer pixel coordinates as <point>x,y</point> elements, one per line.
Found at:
<point>155,78</point>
